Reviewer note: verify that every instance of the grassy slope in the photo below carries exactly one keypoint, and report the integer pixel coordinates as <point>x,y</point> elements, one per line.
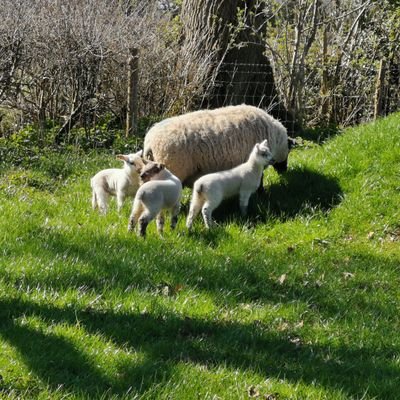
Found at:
<point>302,299</point>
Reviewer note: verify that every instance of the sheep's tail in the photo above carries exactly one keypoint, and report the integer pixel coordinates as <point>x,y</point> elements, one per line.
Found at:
<point>199,189</point>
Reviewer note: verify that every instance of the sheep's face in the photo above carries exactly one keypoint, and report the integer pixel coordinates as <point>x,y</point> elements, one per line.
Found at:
<point>133,162</point>
<point>263,153</point>
<point>283,165</point>
<point>150,171</point>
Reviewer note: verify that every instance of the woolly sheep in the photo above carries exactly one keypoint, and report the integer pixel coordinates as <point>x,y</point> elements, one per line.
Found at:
<point>119,182</point>
<point>243,180</point>
<point>205,141</point>
<point>160,191</point>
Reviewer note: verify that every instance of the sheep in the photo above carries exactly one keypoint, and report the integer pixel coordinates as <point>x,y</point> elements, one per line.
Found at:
<point>119,182</point>
<point>160,191</point>
<point>205,141</point>
<point>243,180</point>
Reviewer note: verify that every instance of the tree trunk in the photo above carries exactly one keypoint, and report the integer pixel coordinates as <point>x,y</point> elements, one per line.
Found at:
<point>228,34</point>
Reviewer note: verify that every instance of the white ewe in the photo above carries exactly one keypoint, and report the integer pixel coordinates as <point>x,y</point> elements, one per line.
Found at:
<point>160,191</point>
<point>243,180</point>
<point>119,182</point>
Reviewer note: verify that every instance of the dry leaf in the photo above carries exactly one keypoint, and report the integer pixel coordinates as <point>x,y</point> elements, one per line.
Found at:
<point>348,275</point>
<point>282,279</point>
<point>271,396</point>
<point>253,391</point>
<point>299,324</point>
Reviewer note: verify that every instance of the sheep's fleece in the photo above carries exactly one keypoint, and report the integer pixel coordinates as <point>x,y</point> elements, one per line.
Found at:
<point>205,141</point>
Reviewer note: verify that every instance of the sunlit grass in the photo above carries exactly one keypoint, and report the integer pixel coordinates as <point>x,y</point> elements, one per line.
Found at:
<point>300,300</point>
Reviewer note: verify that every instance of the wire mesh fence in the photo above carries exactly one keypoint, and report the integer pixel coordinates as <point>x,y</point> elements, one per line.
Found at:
<point>366,95</point>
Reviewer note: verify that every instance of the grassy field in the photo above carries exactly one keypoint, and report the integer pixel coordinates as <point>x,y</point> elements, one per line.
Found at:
<point>299,301</point>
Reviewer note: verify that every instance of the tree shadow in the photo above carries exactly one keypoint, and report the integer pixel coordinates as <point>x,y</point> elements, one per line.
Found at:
<point>168,339</point>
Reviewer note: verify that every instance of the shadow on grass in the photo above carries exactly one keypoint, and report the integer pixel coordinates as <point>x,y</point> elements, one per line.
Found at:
<point>168,339</point>
<point>300,192</point>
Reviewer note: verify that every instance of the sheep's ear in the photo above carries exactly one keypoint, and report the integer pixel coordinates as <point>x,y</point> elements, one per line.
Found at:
<point>139,153</point>
<point>161,166</point>
<point>122,157</point>
<point>291,142</point>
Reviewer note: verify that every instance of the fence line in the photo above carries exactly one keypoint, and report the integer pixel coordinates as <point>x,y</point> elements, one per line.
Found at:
<point>234,86</point>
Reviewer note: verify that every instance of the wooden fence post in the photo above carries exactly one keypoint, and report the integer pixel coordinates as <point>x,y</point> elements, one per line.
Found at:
<point>132,93</point>
<point>379,89</point>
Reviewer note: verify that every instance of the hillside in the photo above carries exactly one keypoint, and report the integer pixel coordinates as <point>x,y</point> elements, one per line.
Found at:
<point>299,301</point>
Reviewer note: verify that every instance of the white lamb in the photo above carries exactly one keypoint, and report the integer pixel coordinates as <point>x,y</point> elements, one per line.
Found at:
<point>243,180</point>
<point>160,191</point>
<point>119,182</point>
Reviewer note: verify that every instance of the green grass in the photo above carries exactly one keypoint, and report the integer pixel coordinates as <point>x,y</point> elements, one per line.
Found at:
<point>299,301</point>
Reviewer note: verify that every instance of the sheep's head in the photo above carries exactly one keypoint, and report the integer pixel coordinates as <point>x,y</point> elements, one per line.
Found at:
<point>132,162</point>
<point>151,171</point>
<point>263,153</point>
<point>283,165</point>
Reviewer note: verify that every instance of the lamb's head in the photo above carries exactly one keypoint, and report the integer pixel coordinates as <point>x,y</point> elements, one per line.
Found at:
<point>282,165</point>
<point>152,171</point>
<point>262,154</point>
<point>133,163</point>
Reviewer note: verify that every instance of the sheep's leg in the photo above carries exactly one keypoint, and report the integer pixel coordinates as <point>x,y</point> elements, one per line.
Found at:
<point>102,201</point>
<point>207,214</point>
<point>194,210</point>
<point>144,220</point>
<point>94,200</point>
<point>174,215</point>
<point>160,222</point>
<point>244,201</point>
<point>134,217</point>
<point>120,200</point>
<point>261,189</point>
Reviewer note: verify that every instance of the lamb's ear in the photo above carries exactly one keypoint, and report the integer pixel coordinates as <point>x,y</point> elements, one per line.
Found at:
<point>122,157</point>
<point>161,166</point>
<point>139,153</point>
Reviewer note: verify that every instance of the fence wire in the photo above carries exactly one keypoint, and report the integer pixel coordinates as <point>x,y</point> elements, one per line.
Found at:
<point>350,104</point>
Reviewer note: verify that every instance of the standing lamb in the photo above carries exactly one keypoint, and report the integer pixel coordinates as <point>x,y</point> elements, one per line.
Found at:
<point>205,141</point>
<point>160,191</point>
<point>243,180</point>
<point>119,182</point>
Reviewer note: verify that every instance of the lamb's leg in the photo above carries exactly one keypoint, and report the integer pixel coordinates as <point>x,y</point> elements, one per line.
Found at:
<point>94,200</point>
<point>144,220</point>
<point>134,217</point>
<point>120,200</point>
<point>160,223</point>
<point>102,201</point>
<point>195,208</point>
<point>244,202</point>
<point>174,215</point>
<point>207,210</point>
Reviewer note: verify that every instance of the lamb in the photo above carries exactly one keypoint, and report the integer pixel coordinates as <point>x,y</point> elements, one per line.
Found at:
<point>205,141</point>
<point>243,180</point>
<point>119,182</point>
<point>160,191</point>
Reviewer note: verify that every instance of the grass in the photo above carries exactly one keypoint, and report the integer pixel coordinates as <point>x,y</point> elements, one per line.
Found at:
<point>298,301</point>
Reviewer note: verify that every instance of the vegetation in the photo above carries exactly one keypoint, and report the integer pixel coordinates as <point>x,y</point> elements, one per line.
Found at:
<point>299,301</point>
<point>312,60</point>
